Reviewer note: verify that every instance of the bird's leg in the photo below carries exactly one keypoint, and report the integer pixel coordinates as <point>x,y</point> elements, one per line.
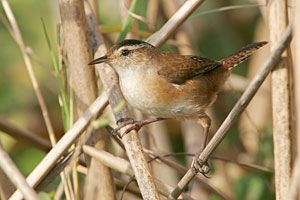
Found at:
<point>197,164</point>
<point>130,124</point>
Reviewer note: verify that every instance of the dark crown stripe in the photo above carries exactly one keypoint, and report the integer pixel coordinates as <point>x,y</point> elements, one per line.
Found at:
<point>130,42</point>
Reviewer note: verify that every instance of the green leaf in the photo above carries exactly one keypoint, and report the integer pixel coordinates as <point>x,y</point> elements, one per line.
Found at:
<point>52,53</point>
<point>65,105</point>
<point>135,7</point>
<point>225,8</point>
<point>100,123</point>
<point>44,196</point>
<point>120,105</point>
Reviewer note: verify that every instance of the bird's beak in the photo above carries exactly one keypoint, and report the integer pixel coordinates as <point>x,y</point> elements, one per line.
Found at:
<point>99,60</point>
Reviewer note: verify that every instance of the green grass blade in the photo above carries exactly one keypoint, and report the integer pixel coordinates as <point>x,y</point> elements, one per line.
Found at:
<point>52,53</point>
<point>135,7</point>
<point>225,8</point>
<point>64,102</point>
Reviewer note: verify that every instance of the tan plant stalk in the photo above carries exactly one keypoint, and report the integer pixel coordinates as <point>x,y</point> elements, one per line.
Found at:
<point>295,177</point>
<point>6,186</point>
<point>82,80</point>
<point>12,172</point>
<point>281,101</point>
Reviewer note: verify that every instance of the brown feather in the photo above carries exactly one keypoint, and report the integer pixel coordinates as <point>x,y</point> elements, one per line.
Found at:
<point>240,56</point>
<point>178,72</point>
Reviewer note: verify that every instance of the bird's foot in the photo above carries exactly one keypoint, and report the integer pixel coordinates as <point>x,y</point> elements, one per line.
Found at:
<point>200,166</point>
<point>127,125</point>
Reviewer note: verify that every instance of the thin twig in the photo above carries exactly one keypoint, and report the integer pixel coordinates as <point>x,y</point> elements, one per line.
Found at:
<point>237,109</point>
<point>12,172</point>
<point>125,187</point>
<point>109,160</point>
<point>131,188</point>
<point>64,143</point>
<point>243,164</point>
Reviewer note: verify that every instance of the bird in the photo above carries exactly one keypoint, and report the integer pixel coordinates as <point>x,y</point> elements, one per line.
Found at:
<point>170,85</point>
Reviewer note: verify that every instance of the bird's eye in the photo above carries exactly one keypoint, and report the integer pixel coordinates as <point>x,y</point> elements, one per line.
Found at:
<point>125,52</point>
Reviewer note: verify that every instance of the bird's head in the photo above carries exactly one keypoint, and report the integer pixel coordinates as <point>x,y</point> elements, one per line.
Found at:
<point>128,54</point>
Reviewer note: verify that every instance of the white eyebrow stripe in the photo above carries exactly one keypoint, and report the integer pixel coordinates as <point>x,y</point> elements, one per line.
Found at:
<point>131,47</point>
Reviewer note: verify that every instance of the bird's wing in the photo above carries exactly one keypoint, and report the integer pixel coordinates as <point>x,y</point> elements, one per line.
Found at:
<point>178,71</point>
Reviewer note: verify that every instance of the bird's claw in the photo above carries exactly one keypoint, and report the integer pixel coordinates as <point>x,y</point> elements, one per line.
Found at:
<point>126,127</point>
<point>200,166</point>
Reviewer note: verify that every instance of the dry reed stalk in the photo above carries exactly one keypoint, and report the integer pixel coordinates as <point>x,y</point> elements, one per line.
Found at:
<point>239,107</point>
<point>152,12</point>
<point>83,82</point>
<point>295,183</point>
<point>94,6</point>
<point>281,101</point>
<point>70,137</point>
<point>12,172</point>
<point>6,186</point>
<point>25,135</point>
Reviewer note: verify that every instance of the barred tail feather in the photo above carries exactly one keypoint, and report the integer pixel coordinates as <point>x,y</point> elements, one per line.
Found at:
<point>242,55</point>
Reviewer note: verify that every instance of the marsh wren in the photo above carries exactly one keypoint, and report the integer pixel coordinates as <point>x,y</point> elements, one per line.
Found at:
<point>170,85</point>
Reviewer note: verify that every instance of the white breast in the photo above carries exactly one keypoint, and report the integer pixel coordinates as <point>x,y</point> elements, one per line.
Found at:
<point>137,92</point>
<point>134,88</point>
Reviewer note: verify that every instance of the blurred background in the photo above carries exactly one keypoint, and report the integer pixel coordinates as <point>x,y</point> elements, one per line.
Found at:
<point>216,29</point>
